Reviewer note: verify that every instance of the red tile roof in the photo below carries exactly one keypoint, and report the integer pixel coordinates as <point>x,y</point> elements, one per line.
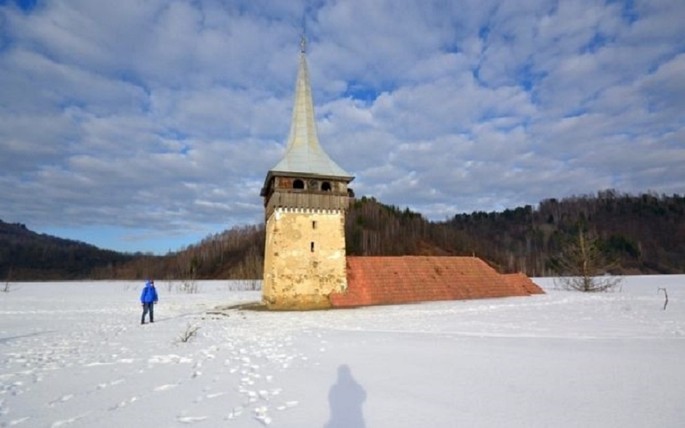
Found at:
<point>406,279</point>
<point>520,279</point>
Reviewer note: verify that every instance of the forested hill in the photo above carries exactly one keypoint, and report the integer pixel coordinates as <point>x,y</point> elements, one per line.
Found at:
<point>643,233</point>
<point>27,255</point>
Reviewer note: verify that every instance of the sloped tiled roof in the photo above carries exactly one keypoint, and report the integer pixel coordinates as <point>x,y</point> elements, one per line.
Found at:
<point>407,279</point>
<point>520,279</point>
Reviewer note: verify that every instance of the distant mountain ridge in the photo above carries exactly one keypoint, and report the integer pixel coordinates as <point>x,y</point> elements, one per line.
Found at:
<point>27,255</point>
<point>644,233</point>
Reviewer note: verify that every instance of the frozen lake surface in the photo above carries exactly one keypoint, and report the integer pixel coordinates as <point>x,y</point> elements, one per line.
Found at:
<point>74,354</point>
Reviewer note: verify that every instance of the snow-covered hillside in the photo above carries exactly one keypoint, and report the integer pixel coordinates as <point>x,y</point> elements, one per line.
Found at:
<point>75,354</point>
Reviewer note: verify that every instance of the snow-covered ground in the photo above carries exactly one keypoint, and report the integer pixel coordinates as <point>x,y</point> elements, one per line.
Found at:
<point>75,355</point>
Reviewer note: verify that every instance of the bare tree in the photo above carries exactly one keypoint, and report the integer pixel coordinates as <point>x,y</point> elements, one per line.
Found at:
<point>8,285</point>
<point>583,266</point>
<point>190,285</point>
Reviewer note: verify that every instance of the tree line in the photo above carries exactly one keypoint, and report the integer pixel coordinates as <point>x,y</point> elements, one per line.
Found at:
<point>642,234</point>
<point>237,253</point>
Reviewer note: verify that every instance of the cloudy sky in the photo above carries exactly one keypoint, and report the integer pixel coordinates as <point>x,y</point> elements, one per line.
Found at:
<point>147,125</point>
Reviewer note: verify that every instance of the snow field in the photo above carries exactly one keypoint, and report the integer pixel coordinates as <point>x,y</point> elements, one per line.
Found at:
<point>74,354</point>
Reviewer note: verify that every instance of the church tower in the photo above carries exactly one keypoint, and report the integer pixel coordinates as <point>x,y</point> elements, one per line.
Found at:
<point>305,198</point>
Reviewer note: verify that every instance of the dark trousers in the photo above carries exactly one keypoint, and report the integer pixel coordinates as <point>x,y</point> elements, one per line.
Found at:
<point>148,307</point>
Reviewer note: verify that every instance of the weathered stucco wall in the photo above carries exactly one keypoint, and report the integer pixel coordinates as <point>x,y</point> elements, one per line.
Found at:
<point>304,260</point>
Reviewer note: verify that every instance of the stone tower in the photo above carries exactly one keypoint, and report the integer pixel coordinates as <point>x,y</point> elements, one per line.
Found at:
<point>305,198</point>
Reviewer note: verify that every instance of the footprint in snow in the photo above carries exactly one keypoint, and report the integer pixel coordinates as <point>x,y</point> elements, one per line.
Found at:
<point>191,419</point>
<point>63,422</point>
<point>252,396</point>
<point>123,403</point>
<point>237,411</point>
<point>215,395</point>
<point>287,405</point>
<point>260,413</point>
<point>165,387</point>
<point>62,399</point>
<point>18,421</point>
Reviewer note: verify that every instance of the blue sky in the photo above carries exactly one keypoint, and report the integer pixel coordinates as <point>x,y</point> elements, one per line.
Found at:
<point>146,126</point>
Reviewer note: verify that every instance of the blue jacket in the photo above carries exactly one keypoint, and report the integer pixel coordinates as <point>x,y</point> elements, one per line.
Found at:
<point>149,293</point>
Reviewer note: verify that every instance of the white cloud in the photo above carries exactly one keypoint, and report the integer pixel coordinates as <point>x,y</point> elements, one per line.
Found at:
<point>166,115</point>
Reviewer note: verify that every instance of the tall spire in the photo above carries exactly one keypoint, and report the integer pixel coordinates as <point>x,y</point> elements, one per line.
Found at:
<point>304,154</point>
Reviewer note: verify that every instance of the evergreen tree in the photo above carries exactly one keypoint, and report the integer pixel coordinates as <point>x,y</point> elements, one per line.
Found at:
<point>583,265</point>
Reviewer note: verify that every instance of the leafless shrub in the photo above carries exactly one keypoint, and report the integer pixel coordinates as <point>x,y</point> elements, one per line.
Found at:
<point>665,296</point>
<point>189,286</point>
<point>188,333</point>
<point>244,285</point>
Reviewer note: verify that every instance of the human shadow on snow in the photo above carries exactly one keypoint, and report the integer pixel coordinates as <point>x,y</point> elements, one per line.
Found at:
<point>346,398</point>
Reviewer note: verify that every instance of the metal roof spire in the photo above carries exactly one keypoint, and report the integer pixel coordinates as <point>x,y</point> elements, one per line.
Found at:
<point>304,154</point>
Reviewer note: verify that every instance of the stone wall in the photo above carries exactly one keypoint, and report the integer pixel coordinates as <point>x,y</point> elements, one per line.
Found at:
<point>304,260</point>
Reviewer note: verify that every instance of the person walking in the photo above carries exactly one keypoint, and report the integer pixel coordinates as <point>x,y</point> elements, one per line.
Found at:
<point>148,298</point>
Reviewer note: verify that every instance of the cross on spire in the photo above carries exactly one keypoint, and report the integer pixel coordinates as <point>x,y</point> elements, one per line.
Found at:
<point>303,43</point>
